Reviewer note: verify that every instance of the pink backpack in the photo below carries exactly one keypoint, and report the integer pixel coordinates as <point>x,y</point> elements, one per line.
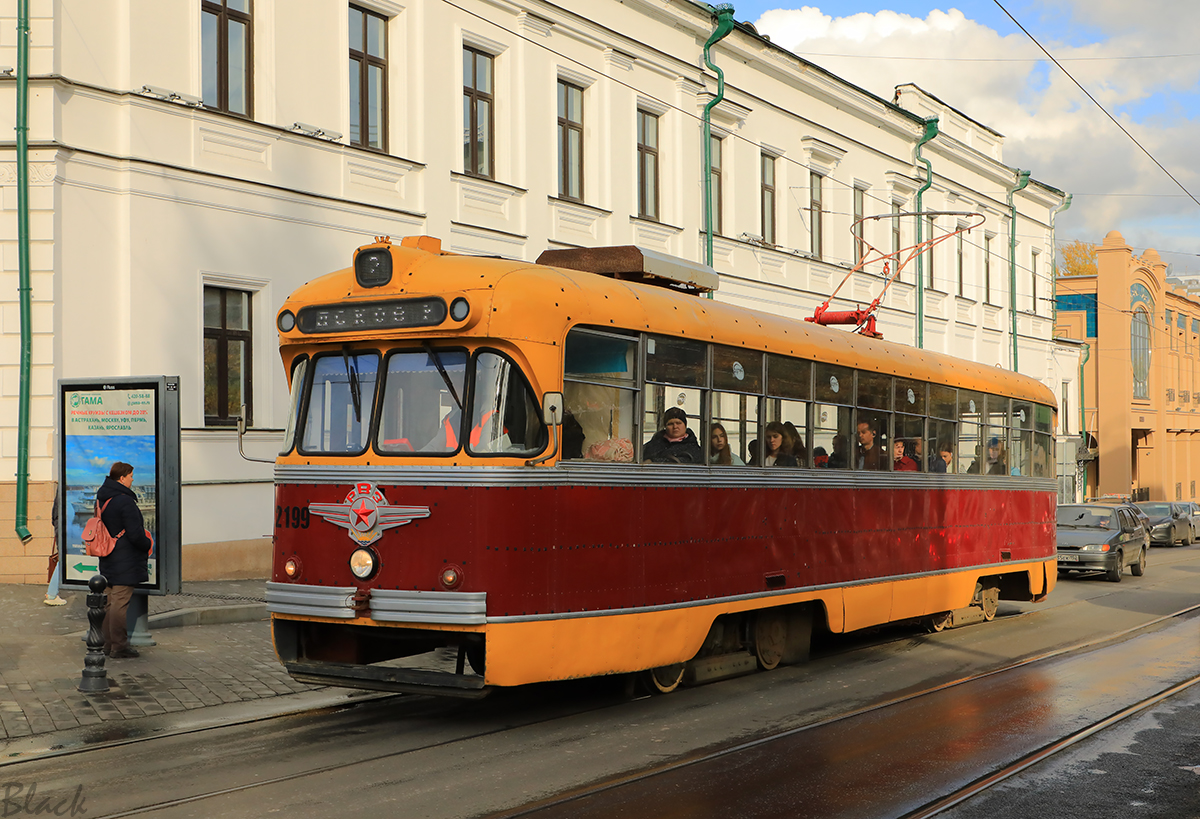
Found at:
<point>97,542</point>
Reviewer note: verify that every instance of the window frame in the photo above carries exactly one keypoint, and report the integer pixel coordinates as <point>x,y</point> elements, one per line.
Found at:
<point>859,211</point>
<point>566,127</point>
<point>366,61</point>
<point>767,197</point>
<point>371,421</point>
<point>987,269</point>
<point>220,8</point>
<point>223,335</point>
<point>717,144</point>
<point>959,261</point>
<point>474,97</point>
<point>930,224</point>
<point>816,212</point>
<point>468,415</point>
<point>646,153</point>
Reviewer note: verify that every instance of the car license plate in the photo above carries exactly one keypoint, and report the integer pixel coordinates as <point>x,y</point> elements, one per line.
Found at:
<point>1068,558</point>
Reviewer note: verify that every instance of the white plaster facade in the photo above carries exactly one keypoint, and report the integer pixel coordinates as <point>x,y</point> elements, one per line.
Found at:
<point>138,202</point>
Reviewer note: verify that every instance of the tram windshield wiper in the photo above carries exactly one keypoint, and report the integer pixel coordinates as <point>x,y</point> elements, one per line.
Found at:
<point>352,375</point>
<point>437,362</point>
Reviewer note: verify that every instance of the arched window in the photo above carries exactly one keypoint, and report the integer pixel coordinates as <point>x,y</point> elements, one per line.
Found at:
<point>1139,353</point>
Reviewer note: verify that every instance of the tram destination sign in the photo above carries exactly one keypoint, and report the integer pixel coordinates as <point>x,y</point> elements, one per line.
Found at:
<point>101,421</point>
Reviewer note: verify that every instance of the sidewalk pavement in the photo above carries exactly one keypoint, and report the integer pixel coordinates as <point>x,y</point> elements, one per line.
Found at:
<point>213,651</point>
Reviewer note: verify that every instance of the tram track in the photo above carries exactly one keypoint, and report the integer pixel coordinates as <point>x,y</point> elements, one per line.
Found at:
<point>398,710</point>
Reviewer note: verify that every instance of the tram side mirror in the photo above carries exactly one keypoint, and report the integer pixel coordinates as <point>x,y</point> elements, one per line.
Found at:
<point>552,408</point>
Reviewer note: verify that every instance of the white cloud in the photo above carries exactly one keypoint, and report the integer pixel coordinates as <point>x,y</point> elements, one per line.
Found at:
<point>1048,123</point>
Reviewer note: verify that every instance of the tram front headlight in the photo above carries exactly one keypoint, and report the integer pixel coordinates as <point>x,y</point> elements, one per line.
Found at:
<point>291,568</point>
<point>460,308</point>
<point>364,563</point>
<point>373,268</point>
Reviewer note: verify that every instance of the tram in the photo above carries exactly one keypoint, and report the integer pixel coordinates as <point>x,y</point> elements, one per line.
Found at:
<point>463,501</point>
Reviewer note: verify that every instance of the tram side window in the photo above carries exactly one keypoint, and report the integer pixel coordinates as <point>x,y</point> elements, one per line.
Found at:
<point>1020,439</point>
<point>999,447</point>
<point>421,410</point>
<point>504,414</point>
<point>599,396</point>
<point>908,445</point>
<point>656,446</point>
<point>299,370</point>
<point>833,412</point>
<point>943,431</point>
<point>872,429</point>
<point>1043,442</point>
<point>789,394</point>
<point>737,380</point>
<point>340,403</point>
<point>735,417</point>
<point>971,450</point>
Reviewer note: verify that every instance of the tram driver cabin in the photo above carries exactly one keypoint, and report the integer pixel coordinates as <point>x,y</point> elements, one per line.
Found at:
<point>461,502</point>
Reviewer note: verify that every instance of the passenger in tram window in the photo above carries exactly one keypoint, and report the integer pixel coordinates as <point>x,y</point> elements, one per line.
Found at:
<point>900,461</point>
<point>674,443</point>
<point>752,453</point>
<point>721,453</point>
<point>820,457</point>
<point>793,443</point>
<point>838,458</point>
<point>995,463</point>
<point>940,462</point>
<point>868,450</point>
<point>774,453</point>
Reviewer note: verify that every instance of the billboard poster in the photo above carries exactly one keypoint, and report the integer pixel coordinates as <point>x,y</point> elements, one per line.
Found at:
<point>102,423</point>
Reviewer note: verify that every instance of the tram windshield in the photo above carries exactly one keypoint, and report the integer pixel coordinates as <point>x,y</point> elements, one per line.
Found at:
<point>341,402</point>
<point>423,394</point>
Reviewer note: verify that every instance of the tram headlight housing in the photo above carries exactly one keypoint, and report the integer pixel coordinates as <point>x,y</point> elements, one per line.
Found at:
<point>364,563</point>
<point>460,308</point>
<point>286,321</point>
<point>451,577</point>
<point>292,568</point>
<point>373,268</point>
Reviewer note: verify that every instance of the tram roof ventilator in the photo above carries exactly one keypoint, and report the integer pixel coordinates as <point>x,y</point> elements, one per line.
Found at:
<point>637,264</point>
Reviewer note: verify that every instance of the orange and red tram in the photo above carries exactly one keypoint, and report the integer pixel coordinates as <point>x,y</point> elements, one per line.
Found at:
<point>462,502</point>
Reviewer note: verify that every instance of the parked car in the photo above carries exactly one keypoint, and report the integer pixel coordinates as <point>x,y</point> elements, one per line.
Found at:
<point>1169,522</point>
<point>1096,538</point>
<point>1194,513</point>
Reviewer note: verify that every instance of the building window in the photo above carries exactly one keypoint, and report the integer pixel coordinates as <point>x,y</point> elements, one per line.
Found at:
<point>768,198</point>
<point>895,236</point>
<point>859,207</point>
<point>1064,414</point>
<point>570,141</point>
<point>815,212</point>
<point>479,113</point>
<point>647,157</point>
<point>227,356</point>
<point>958,251</point>
<point>225,54</point>
<point>717,214</point>
<point>987,269</point>
<point>1139,353</point>
<point>1033,279</point>
<point>1170,316</point>
<point>368,79</point>
<point>929,226</point>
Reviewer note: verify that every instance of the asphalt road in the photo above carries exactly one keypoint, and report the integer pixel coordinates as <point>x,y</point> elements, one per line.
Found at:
<point>420,757</point>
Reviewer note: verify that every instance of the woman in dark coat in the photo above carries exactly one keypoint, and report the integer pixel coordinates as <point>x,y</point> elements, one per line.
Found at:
<point>675,443</point>
<point>125,567</point>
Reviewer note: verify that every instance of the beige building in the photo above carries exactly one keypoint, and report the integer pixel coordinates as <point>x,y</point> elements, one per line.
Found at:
<point>1141,396</point>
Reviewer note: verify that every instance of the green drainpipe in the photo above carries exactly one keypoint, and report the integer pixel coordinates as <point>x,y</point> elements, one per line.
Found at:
<point>23,287</point>
<point>1054,261</point>
<point>931,130</point>
<point>724,13</point>
<point>1022,181</point>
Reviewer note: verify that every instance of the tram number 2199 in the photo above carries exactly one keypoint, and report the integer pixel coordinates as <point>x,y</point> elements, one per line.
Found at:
<point>291,517</point>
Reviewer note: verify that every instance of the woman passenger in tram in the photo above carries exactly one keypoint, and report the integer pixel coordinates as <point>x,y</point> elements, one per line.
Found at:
<point>674,443</point>
<point>794,443</point>
<point>721,452</point>
<point>774,453</point>
<point>900,461</point>
<point>995,463</point>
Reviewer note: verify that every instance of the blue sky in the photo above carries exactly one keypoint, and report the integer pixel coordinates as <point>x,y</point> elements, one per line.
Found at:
<point>971,55</point>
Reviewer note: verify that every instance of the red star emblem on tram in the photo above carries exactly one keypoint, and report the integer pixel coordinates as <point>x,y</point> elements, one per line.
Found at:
<point>365,513</point>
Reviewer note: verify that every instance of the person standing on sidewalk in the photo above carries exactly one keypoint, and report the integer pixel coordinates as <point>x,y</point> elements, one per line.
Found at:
<point>52,598</point>
<point>125,566</point>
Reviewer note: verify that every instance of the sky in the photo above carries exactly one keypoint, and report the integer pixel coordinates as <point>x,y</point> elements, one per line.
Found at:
<point>1141,61</point>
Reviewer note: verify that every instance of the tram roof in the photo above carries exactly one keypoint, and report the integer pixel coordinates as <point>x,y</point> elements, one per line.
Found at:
<point>527,302</point>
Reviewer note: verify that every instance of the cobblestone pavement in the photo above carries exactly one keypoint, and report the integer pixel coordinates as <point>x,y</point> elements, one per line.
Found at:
<point>189,668</point>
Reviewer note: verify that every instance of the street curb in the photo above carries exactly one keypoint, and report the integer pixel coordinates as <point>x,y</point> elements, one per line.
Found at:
<point>209,616</point>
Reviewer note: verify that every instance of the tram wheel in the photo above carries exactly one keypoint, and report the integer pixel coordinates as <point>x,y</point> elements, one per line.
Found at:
<point>770,638</point>
<point>989,601</point>
<point>940,622</point>
<point>664,679</point>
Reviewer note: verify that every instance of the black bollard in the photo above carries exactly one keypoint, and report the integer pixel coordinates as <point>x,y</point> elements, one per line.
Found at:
<point>95,677</point>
